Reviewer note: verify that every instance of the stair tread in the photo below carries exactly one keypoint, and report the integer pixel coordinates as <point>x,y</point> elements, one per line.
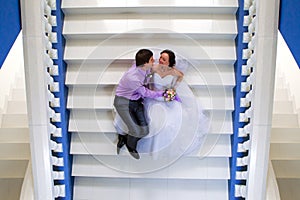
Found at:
<point>229,6</point>
<point>285,120</point>
<point>113,49</point>
<point>281,94</point>
<point>285,135</point>
<point>14,120</point>
<point>105,144</point>
<point>10,188</point>
<point>95,121</point>
<point>16,151</point>
<point>102,98</point>
<point>137,34</point>
<point>105,75</point>
<point>14,135</point>
<point>286,168</point>
<point>127,167</point>
<point>289,187</point>
<point>149,189</point>
<point>138,4</point>
<point>134,25</point>
<point>109,80</point>
<point>17,94</point>
<point>285,151</point>
<point>16,107</point>
<point>283,107</point>
<point>13,168</point>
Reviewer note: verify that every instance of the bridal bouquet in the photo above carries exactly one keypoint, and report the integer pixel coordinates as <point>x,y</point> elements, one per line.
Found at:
<point>169,94</point>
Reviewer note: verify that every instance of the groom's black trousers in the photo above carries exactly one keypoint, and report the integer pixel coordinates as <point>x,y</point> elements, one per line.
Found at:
<point>133,115</point>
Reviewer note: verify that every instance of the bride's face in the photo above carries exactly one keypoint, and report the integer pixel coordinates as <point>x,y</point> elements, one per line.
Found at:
<point>164,59</point>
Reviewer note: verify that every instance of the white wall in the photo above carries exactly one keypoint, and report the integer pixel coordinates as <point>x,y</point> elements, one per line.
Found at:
<point>11,68</point>
<point>287,67</point>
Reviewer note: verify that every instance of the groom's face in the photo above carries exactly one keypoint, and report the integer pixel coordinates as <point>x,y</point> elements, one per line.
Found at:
<point>150,63</point>
<point>151,60</point>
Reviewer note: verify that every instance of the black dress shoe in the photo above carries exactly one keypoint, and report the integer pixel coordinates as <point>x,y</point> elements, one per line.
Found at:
<point>121,142</point>
<point>133,153</point>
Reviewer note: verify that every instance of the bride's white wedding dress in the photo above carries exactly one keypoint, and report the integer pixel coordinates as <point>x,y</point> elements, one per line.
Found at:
<point>175,128</point>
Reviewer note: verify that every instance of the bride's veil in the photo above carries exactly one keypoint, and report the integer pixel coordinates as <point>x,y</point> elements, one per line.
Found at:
<point>182,64</point>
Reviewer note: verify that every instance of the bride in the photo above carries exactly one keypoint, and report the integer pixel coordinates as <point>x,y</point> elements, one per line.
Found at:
<point>175,128</point>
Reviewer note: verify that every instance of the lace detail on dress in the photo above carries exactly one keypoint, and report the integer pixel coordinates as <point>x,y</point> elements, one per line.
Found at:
<point>160,83</point>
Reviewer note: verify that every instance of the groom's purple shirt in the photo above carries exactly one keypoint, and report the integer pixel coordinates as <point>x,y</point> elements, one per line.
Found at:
<point>131,85</point>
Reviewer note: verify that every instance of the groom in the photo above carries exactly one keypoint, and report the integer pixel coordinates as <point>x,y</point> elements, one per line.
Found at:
<point>129,101</point>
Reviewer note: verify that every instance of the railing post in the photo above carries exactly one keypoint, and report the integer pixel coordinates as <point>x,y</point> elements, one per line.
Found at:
<point>255,75</point>
<point>37,101</point>
<point>266,46</point>
<point>46,98</point>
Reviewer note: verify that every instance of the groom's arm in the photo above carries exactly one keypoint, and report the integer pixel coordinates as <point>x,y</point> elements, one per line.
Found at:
<point>145,92</point>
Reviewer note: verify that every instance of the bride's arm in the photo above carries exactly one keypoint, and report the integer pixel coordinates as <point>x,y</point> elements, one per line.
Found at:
<point>178,73</point>
<point>179,76</point>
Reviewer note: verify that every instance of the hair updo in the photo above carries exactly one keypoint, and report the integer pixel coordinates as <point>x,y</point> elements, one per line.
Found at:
<point>171,54</point>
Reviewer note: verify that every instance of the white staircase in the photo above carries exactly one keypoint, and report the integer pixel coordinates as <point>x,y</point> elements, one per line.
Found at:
<point>285,142</point>
<point>14,142</point>
<point>102,39</point>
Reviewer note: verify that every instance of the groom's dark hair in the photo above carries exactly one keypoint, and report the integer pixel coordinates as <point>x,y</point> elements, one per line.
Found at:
<point>142,57</point>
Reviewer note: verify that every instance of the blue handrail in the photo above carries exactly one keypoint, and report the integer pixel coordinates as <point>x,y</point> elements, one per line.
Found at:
<point>62,95</point>
<point>235,139</point>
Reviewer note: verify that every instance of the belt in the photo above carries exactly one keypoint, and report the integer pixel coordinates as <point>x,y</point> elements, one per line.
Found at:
<point>138,100</point>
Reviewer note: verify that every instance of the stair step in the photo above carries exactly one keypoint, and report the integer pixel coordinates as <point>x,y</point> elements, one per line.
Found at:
<point>13,168</point>
<point>285,135</point>
<point>18,94</point>
<point>149,189</point>
<point>101,98</point>
<point>105,74</point>
<point>102,39</point>
<point>285,120</point>
<point>16,107</point>
<point>127,167</point>
<point>102,121</point>
<point>210,76</point>
<point>136,25</point>
<point>105,144</point>
<point>14,151</point>
<point>283,107</point>
<point>281,94</point>
<point>14,121</point>
<point>286,168</point>
<point>280,82</point>
<point>286,151</point>
<point>20,82</point>
<point>140,33</point>
<point>171,7</point>
<point>208,51</point>
<point>14,135</point>
<point>289,188</point>
<point>10,188</point>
